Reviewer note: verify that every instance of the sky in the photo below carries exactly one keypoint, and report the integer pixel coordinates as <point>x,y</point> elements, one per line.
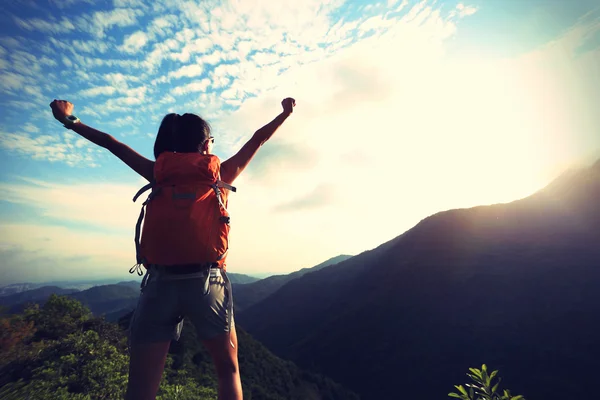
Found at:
<point>403,109</point>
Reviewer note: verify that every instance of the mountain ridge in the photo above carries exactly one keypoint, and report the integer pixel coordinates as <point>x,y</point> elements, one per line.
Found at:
<point>462,287</point>
<point>245,295</point>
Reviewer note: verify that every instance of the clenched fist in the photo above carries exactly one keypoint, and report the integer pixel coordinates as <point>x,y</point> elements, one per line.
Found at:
<point>61,109</point>
<point>288,105</point>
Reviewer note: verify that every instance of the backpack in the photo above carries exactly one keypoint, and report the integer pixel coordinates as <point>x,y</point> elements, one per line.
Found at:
<point>185,219</point>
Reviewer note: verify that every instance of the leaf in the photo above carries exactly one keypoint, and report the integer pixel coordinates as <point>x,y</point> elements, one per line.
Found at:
<point>493,374</point>
<point>495,387</point>
<point>519,397</point>
<point>461,389</point>
<point>458,396</point>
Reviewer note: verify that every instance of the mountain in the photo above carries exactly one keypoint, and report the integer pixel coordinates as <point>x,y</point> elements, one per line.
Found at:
<point>77,285</point>
<point>33,295</point>
<point>512,285</point>
<point>249,294</point>
<point>239,279</point>
<point>17,288</point>
<point>108,298</point>
<point>114,300</point>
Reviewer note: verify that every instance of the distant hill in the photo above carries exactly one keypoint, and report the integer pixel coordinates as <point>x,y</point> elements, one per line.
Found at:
<point>249,294</point>
<point>132,284</point>
<point>33,295</point>
<point>116,299</point>
<point>77,285</point>
<point>18,288</point>
<point>240,278</point>
<point>512,285</point>
<point>108,298</point>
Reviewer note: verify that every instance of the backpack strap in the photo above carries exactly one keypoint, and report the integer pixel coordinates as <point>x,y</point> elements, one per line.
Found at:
<point>138,226</point>
<point>226,218</point>
<point>222,184</point>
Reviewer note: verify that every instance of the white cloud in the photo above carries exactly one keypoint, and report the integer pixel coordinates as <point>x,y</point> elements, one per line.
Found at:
<point>42,25</point>
<point>10,81</point>
<point>35,252</point>
<point>162,25</point>
<point>124,121</point>
<point>90,46</point>
<point>134,42</point>
<point>100,21</point>
<point>120,80</point>
<point>465,10</point>
<point>11,42</point>
<point>197,86</point>
<point>44,148</point>
<point>128,3</point>
<point>98,91</point>
<point>29,127</point>
<point>69,3</point>
<point>107,206</point>
<point>189,71</point>
<point>67,61</point>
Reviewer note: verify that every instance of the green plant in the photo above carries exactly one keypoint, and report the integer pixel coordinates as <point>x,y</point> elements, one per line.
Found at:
<point>483,387</point>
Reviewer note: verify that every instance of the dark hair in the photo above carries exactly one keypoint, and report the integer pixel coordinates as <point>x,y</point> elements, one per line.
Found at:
<point>181,133</point>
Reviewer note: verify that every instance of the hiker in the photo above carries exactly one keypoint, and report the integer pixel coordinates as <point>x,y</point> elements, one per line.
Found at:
<point>174,286</point>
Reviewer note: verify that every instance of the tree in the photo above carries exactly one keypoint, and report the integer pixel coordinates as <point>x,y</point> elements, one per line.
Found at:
<point>13,331</point>
<point>80,366</point>
<point>483,387</point>
<point>59,317</point>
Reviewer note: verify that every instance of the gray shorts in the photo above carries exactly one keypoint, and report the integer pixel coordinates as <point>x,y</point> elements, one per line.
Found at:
<point>166,299</point>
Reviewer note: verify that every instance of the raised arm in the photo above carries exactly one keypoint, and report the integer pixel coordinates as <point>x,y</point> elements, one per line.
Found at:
<point>140,164</point>
<point>233,167</point>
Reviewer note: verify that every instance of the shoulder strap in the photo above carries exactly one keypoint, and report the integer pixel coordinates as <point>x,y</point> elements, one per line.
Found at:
<point>138,225</point>
<point>143,189</point>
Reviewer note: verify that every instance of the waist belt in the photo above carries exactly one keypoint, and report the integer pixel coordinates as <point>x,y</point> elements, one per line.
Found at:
<point>182,269</point>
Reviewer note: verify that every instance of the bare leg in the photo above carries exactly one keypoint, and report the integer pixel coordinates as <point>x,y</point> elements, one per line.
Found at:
<point>225,358</point>
<point>145,370</point>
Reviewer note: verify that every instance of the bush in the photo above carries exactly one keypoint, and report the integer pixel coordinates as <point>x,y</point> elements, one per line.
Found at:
<point>483,387</point>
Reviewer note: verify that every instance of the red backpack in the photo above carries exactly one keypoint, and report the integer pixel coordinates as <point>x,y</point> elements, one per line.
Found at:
<point>186,219</point>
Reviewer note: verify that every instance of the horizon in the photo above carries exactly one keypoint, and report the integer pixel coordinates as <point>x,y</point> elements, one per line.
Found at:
<point>431,105</point>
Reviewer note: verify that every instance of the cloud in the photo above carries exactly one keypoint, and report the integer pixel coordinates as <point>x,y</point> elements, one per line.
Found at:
<point>465,11</point>
<point>101,21</point>
<point>98,91</point>
<point>29,127</point>
<point>45,148</point>
<point>35,252</point>
<point>55,239</point>
<point>162,25</point>
<point>42,25</point>
<point>134,42</point>
<point>104,206</point>
<point>11,81</point>
<point>128,3</point>
<point>69,3</point>
<point>197,86</point>
<point>187,71</point>
<point>90,46</point>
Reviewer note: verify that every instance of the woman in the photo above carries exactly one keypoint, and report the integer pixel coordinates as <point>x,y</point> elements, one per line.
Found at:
<point>158,317</point>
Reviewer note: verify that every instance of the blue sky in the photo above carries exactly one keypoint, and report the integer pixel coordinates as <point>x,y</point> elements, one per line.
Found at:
<point>404,108</point>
